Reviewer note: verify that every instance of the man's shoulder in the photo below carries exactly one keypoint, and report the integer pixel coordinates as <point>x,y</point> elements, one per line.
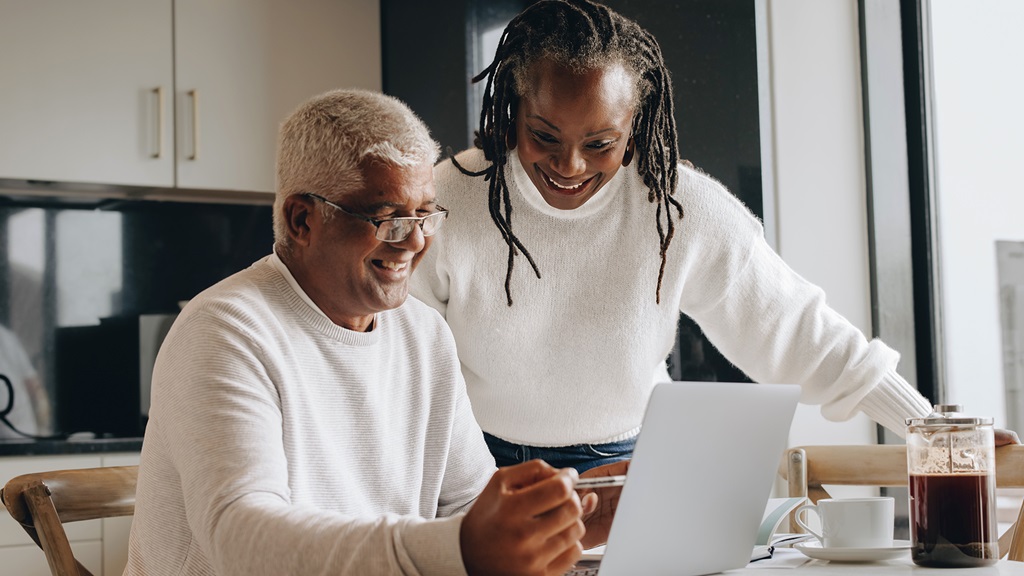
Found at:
<point>239,290</point>
<point>416,311</point>
<point>418,331</point>
<point>421,322</point>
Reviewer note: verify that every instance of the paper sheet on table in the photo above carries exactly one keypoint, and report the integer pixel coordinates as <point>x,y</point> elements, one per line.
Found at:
<point>776,511</point>
<point>782,558</point>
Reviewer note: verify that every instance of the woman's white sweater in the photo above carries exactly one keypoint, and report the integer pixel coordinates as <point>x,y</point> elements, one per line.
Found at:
<point>574,358</point>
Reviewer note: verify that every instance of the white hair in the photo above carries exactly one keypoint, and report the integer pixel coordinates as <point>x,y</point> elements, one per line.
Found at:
<point>322,144</point>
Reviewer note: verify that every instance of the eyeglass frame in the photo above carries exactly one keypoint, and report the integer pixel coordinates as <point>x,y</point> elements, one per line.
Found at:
<point>378,221</point>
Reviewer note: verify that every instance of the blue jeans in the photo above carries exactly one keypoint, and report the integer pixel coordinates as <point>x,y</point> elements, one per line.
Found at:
<point>582,457</point>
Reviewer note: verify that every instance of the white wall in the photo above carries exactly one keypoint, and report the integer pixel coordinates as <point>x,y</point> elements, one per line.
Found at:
<point>817,141</point>
<point>819,171</point>
<point>978,50</point>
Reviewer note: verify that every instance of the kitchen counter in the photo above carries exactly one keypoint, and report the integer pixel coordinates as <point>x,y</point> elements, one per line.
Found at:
<point>76,446</point>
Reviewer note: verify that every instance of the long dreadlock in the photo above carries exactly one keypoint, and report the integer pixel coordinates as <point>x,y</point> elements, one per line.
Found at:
<point>581,35</point>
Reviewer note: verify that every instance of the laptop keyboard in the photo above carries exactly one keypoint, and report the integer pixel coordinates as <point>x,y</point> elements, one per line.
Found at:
<point>585,568</point>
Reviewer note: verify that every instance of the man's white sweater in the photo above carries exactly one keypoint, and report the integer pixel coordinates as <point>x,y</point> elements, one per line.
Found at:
<point>574,358</point>
<point>280,443</point>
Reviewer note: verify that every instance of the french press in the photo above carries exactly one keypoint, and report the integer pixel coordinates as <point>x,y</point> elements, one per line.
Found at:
<point>952,474</point>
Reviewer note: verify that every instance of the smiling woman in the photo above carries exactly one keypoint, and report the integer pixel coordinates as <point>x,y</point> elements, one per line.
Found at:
<point>581,174</point>
<point>722,115</point>
<point>574,130</point>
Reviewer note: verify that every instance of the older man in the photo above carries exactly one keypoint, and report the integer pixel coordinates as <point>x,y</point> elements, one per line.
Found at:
<point>308,418</point>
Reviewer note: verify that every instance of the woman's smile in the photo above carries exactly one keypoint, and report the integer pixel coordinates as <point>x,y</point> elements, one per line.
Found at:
<point>572,130</point>
<point>568,189</point>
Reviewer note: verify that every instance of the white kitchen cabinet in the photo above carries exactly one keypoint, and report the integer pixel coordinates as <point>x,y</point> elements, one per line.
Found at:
<point>29,560</point>
<point>101,545</point>
<point>243,65</point>
<point>80,90</point>
<point>99,91</point>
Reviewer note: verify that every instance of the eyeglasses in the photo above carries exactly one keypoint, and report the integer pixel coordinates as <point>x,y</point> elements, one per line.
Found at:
<point>395,229</point>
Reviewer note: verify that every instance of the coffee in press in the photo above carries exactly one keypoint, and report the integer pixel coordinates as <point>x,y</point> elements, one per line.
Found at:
<point>951,466</point>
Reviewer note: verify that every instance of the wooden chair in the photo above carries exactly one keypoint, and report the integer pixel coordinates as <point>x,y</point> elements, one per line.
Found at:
<point>42,502</point>
<point>807,469</point>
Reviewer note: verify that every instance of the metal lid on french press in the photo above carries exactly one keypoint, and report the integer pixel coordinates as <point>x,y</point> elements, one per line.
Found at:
<point>949,415</point>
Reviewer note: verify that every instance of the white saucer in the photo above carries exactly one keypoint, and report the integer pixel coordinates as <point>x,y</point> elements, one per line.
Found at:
<point>815,550</point>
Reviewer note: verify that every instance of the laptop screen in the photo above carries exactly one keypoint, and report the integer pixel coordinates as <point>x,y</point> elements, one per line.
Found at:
<point>700,477</point>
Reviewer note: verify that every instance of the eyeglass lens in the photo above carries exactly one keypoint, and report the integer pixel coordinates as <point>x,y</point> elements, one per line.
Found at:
<point>398,229</point>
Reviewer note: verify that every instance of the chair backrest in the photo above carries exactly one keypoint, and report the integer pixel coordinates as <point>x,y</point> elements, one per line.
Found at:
<point>807,469</point>
<point>42,502</point>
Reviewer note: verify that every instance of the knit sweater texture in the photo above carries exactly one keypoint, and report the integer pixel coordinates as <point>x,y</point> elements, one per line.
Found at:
<point>574,359</point>
<point>280,443</point>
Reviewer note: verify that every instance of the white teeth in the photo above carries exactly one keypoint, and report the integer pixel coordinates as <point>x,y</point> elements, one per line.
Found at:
<point>393,265</point>
<point>559,186</point>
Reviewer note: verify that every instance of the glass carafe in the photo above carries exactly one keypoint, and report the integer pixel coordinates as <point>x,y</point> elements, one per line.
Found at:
<point>952,467</point>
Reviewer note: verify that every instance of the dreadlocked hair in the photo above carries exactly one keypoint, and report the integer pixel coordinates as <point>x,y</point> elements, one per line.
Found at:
<point>581,36</point>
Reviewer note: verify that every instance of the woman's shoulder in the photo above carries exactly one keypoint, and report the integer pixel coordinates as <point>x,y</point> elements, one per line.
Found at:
<point>454,186</point>
<point>471,160</point>
<point>706,199</point>
<point>694,181</point>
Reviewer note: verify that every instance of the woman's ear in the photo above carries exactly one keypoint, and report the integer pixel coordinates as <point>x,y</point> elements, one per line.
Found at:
<point>630,150</point>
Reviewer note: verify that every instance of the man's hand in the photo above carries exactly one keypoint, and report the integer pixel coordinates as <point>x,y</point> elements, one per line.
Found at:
<point>525,522</point>
<point>599,505</point>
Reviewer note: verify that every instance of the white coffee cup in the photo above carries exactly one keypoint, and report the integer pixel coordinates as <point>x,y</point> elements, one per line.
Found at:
<point>852,522</point>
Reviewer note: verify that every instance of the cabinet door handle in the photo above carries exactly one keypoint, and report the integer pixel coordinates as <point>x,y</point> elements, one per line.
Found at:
<point>159,93</point>
<point>194,95</point>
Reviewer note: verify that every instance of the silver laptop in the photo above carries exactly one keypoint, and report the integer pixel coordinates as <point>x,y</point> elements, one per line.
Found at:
<point>701,475</point>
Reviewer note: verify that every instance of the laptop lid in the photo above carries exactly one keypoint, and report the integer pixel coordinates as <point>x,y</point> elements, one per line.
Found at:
<point>701,475</point>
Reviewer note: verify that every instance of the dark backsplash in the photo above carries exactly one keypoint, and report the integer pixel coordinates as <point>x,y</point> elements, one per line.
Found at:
<point>76,279</point>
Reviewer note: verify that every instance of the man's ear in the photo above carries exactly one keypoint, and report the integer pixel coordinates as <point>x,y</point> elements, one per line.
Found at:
<point>298,210</point>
